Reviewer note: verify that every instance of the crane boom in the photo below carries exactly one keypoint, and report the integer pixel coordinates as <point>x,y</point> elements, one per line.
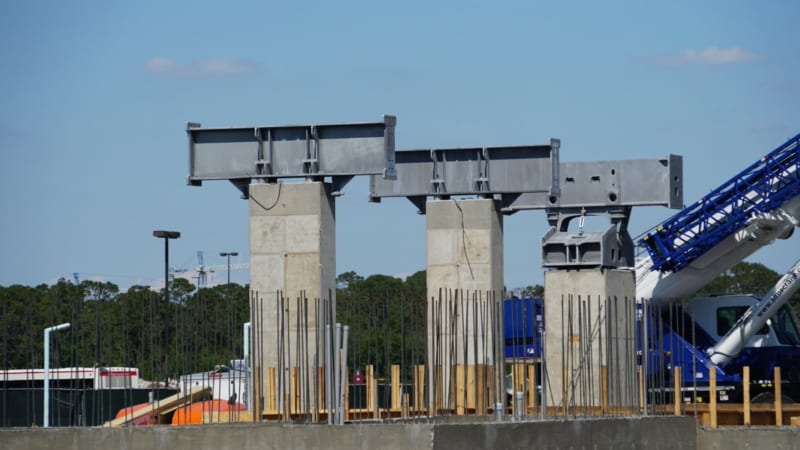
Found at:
<point>747,212</point>
<point>756,317</point>
<point>761,188</point>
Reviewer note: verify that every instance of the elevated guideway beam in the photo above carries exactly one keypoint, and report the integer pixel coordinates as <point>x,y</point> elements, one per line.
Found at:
<point>602,188</point>
<point>501,172</point>
<point>268,153</point>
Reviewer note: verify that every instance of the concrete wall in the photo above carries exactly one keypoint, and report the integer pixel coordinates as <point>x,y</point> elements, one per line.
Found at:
<point>749,438</point>
<point>637,433</point>
<point>630,433</point>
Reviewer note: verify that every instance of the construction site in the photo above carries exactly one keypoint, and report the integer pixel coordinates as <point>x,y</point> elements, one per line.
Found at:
<point>620,351</point>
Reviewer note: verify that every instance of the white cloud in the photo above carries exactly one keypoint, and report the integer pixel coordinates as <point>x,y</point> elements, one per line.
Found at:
<point>206,67</point>
<point>161,65</point>
<point>226,66</point>
<point>710,55</point>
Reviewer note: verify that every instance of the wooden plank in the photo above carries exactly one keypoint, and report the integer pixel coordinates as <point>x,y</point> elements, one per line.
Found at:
<point>677,396</point>
<point>778,400</point>
<point>419,388</point>
<point>272,391</point>
<point>163,406</point>
<point>227,417</point>
<point>295,391</point>
<point>461,389</point>
<point>472,387</point>
<point>369,377</point>
<point>640,380</point>
<point>531,387</point>
<point>396,387</point>
<point>746,394</point>
<point>347,395</point>
<point>712,396</point>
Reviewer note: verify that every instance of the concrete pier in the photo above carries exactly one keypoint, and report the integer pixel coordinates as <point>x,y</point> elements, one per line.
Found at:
<point>293,253</point>
<point>465,293</point>
<point>590,338</point>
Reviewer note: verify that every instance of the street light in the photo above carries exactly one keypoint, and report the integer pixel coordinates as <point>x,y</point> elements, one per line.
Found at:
<point>166,235</point>
<point>229,254</point>
<point>47,332</point>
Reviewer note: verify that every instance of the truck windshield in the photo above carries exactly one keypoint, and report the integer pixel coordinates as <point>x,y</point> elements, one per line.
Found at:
<point>785,327</point>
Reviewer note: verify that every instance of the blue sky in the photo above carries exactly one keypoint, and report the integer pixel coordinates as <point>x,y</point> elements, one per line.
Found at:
<point>94,98</point>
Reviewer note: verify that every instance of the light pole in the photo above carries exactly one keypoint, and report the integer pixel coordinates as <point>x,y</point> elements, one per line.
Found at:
<point>166,235</point>
<point>229,254</point>
<point>47,332</point>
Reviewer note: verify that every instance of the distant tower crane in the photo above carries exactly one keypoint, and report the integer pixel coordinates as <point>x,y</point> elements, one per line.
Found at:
<point>203,270</point>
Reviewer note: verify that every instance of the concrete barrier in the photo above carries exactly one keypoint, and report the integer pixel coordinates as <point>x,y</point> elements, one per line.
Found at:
<point>629,433</point>
<point>787,438</point>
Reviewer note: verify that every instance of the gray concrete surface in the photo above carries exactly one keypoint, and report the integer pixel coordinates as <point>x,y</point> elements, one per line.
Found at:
<point>609,433</point>
<point>589,320</point>
<point>761,438</point>
<point>644,433</point>
<point>464,247</point>
<point>292,250</point>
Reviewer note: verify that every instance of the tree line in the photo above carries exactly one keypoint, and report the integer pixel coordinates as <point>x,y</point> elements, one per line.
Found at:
<point>191,331</point>
<point>195,330</point>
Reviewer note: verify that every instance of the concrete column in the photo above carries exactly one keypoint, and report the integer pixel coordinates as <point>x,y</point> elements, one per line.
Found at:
<point>465,289</point>
<point>590,342</point>
<point>293,252</point>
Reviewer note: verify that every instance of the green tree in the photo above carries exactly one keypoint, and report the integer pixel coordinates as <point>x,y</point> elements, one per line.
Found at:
<point>386,316</point>
<point>533,291</point>
<point>748,278</point>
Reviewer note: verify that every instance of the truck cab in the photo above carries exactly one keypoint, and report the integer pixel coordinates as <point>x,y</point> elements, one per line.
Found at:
<point>775,344</point>
<point>717,315</point>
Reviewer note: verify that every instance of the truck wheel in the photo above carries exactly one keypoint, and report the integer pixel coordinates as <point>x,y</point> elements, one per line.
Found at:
<point>769,397</point>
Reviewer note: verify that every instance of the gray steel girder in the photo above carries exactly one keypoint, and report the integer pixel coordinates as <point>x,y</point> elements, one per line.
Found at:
<point>602,188</point>
<point>612,184</point>
<point>339,151</point>
<point>491,172</point>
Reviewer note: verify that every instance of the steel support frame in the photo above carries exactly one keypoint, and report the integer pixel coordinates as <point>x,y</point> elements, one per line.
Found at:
<point>602,188</point>
<point>315,152</point>
<point>500,172</point>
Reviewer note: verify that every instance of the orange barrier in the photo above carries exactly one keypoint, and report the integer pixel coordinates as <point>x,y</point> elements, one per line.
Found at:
<point>204,412</point>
